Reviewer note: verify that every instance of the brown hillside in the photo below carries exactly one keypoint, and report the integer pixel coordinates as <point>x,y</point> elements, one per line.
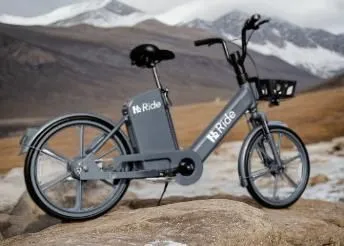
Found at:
<point>334,82</point>
<point>315,116</point>
<point>46,71</point>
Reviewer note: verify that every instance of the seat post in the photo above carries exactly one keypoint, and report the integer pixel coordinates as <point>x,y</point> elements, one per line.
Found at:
<point>156,77</point>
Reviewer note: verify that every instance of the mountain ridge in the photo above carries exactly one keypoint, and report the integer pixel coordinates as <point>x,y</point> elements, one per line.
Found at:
<point>317,51</point>
<point>68,65</point>
<point>314,50</point>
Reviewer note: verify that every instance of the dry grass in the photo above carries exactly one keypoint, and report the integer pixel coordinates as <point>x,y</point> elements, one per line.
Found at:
<point>315,116</point>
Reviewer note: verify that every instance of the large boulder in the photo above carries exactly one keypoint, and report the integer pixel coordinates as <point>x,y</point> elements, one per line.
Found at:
<point>220,221</point>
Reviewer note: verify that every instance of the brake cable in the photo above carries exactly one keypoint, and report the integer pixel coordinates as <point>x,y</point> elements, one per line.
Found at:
<point>249,38</point>
<point>248,54</point>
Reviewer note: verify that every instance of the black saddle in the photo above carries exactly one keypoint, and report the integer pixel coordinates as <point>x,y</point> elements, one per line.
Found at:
<point>148,55</point>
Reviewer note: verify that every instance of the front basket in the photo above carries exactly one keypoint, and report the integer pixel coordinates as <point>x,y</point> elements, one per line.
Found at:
<point>273,89</point>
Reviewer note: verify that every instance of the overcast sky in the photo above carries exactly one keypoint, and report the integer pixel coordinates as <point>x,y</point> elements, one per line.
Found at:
<point>326,14</point>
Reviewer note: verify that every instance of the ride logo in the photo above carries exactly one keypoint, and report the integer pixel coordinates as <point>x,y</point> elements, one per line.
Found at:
<point>137,109</point>
<point>221,127</point>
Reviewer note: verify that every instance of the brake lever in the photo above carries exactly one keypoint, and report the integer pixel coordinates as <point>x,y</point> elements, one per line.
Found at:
<point>261,23</point>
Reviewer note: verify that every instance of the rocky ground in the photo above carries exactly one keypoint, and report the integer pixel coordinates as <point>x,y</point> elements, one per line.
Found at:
<point>211,212</point>
<point>217,221</point>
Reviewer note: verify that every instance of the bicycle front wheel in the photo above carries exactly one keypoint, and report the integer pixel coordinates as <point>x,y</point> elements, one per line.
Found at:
<point>271,185</point>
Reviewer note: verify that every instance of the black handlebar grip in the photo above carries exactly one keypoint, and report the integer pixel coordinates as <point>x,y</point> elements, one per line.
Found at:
<point>250,23</point>
<point>208,41</point>
<point>263,22</point>
<point>201,42</point>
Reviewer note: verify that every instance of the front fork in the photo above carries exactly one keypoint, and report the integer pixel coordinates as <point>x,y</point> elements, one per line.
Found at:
<point>259,118</point>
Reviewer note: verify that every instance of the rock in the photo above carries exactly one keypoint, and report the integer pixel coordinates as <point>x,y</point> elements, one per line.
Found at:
<point>12,188</point>
<point>338,147</point>
<point>202,222</point>
<point>318,179</point>
<point>1,237</point>
<point>340,182</point>
<point>27,217</point>
<point>4,222</point>
<point>21,224</point>
<point>26,207</point>
<point>129,195</point>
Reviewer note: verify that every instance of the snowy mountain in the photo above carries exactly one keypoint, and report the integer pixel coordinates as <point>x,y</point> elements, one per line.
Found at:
<point>102,13</point>
<point>317,51</point>
<point>61,13</point>
<point>111,14</point>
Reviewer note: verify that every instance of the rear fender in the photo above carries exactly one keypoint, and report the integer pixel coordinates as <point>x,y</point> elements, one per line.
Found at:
<point>32,135</point>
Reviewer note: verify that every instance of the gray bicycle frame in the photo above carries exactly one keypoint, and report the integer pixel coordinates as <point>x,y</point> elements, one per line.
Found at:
<point>244,100</point>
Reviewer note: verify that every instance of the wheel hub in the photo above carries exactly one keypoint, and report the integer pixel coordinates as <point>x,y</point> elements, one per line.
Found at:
<point>275,169</point>
<point>79,165</point>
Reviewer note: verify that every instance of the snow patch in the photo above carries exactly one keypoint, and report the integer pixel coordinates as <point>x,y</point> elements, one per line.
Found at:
<point>185,12</point>
<point>130,20</point>
<point>218,178</point>
<point>106,19</point>
<point>276,32</point>
<point>62,13</point>
<point>319,61</point>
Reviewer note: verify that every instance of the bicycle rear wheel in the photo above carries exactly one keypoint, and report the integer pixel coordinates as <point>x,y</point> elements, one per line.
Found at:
<point>271,185</point>
<point>51,182</point>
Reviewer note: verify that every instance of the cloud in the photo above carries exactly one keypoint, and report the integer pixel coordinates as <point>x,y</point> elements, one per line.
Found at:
<point>326,14</point>
<point>32,7</point>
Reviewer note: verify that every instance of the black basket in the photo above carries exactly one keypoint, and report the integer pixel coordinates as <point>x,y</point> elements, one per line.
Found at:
<point>275,89</point>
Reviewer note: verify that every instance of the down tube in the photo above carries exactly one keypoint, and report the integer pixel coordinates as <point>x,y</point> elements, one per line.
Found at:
<point>224,121</point>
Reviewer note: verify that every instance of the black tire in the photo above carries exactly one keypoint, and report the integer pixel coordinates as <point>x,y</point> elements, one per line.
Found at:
<point>30,173</point>
<point>252,187</point>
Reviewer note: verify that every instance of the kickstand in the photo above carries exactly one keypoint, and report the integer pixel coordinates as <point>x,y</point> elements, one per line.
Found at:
<point>165,187</point>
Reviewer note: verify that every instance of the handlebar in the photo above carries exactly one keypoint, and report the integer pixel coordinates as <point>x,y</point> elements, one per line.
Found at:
<point>236,59</point>
<point>211,41</point>
<point>208,41</point>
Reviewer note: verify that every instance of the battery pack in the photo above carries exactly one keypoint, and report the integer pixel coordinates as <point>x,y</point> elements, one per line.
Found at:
<point>150,126</point>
